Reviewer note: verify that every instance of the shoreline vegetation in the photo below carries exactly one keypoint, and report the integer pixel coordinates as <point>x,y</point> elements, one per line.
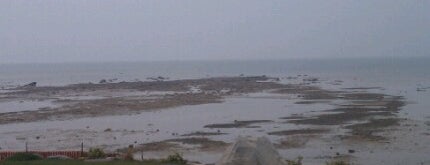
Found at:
<point>98,157</point>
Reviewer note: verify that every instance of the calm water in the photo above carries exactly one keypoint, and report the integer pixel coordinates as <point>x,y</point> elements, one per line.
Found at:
<point>412,71</point>
<point>396,76</point>
<point>399,76</point>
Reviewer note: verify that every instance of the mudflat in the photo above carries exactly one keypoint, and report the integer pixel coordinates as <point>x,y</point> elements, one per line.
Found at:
<point>340,117</point>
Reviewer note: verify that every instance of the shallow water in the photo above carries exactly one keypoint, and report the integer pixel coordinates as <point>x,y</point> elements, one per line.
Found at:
<point>25,105</point>
<point>396,78</point>
<point>159,125</point>
<point>181,120</point>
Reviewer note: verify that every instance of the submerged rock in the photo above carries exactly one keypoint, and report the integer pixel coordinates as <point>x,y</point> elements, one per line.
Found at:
<point>159,78</point>
<point>30,85</point>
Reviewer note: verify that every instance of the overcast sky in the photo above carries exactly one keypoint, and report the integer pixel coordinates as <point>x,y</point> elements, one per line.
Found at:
<point>147,30</point>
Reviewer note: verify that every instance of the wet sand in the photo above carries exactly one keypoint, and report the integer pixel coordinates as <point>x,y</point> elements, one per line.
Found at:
<point>182,92</point>
<point>202,116</point>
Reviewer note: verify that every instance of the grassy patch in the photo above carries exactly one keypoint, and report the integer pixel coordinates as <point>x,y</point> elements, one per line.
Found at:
<point>24,157</point>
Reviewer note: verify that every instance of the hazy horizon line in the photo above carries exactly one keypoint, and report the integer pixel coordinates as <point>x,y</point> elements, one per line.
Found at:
<point>219,60</point>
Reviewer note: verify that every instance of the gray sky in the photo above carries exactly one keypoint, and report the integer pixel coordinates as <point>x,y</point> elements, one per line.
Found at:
<point>146,30</point>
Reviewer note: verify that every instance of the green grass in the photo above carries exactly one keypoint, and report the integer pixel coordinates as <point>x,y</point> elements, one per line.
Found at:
<point>78,162</point>
<point>24,157</point>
